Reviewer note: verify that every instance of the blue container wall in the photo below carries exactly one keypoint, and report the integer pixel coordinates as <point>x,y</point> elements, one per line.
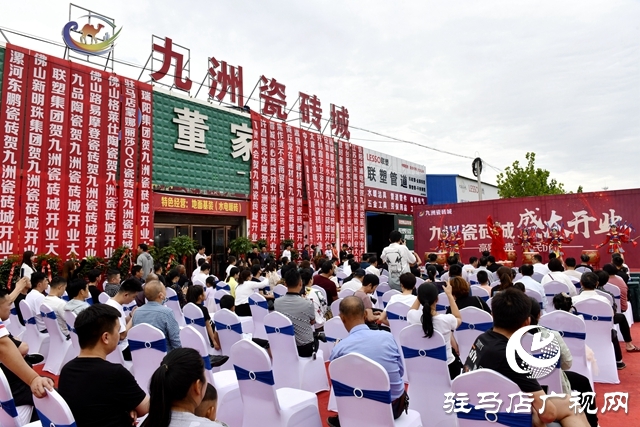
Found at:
<point>441,189</point>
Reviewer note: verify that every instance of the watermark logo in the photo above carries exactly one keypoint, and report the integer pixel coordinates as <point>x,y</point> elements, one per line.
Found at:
<point>94,37</point>
<point>537,362</point>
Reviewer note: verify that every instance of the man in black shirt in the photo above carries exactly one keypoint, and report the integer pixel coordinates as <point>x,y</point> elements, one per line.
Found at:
<point>100,393</point>
<point>618,262</point>
<point>492,266</point>
<point>511,311</point>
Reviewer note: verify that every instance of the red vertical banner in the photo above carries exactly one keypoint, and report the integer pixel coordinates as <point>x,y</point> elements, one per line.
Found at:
<point>56,158</point>
<point>306,157</point>
<point>254,225</point>
<point>298,190</point>
<point>359,174</point>
<point>330,190</point>
<point>273,187</point>
<point>128,162</point>
<point>108,226</point>
<point>283,221</point>
<point>145,224</point>
<point>341,190</point>
<point>289,188</point>
<point>12,115</point>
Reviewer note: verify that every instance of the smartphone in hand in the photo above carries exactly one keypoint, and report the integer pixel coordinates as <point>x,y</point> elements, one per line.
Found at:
<point>22,272</point>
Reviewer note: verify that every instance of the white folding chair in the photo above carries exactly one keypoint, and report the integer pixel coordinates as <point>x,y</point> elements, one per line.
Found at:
<point>475,382</point>
<point>229,330</point>
<point>259,308</point>
<point>387,296</point>
<point>474,323</point>
<point>193,317</point>
<point>480,292</point>
<point>551,289</point>
<point>582,269</point>
<point>598,319</point>
<point>52,411</point>
<point>537,277</point>
<point>70,319</point>
<point>419,281</point>
<point>363,394</point>
<point>10,415</point>
<point>615,291</point>
<point>281,407</point>
<point>14,326</point>
<point>345,293</point>
<point>443,303</point>
<point>425,360</point>
<point>37,341</point>
<point>444,277</point>
<point>103,297</point>
<point>59,345</point>
<point>494,283</point>
<point>489,302</point>
<point>291,370</point>
<point>380,291</point>
<point>341,275</point>
<point>473,279</point>
<point>383,279</point>
<point>606,295</point>
<point>217,296</point>
<point>397,317</point>
<point>223,286</point>
<point>173,303</point>
<point>335,331</point>
<point>384,272</point>
<point>279,290</point>
<point>148,347</point>
<point>335,307</point>
<point>572,328</point>
<point>535,295</point>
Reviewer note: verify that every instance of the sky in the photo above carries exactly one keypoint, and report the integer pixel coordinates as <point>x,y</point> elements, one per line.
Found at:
<point>493,79</point>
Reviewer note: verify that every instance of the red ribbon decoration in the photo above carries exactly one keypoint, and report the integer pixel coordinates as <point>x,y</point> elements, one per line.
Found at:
<point>124,254</point>
<point>46,269</point>
<point>169,263</point>
<point>13,267</point>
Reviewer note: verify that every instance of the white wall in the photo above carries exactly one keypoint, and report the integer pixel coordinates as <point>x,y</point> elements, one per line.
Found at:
<point>467,190</point>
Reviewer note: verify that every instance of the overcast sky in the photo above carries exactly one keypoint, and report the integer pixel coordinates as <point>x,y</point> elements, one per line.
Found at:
<point>488,78</point>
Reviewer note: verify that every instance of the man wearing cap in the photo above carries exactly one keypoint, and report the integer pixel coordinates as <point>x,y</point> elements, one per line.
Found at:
<point>355,283</point>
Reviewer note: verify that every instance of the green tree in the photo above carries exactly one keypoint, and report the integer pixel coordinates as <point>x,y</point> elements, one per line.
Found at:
<point>517,181</point>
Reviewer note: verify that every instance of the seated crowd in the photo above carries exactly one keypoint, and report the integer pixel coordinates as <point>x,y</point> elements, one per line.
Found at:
<point>178,392</point>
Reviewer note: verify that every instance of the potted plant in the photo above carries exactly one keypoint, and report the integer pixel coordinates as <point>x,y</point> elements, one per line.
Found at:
<point>241,246</point>
<point>182,247</point>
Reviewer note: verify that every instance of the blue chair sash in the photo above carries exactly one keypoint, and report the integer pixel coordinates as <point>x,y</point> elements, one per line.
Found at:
<point>71,328</point>
<point>47,422</point>
<point>30,321</point>
<point>89,301</point>
<point>198,321</point>
<point>50,315</point>
<point>588,316</point>
<point>14,311</point>
<point>173,298</point>
<point>379,293</point>
<point>484,298</point>
<point>65,297</point>
<point>207,362</point>
<point>262,304</point>
<point>395,316</point>
<point>10,408</point>
<point>226,287</point>
<point>439,353</point>
<point>331,339</point>
<point>484,327</point>
<point>237,327</point>
<point>217,301</point>
<point>160,345</point>
<point>126,308</point>
<point>343,390</point>
<point>276,296</point>
<point>505,418</point>
<point>287,330</point>
<point>440,307</point>
<point>579,335</point>
<point>265,377</point>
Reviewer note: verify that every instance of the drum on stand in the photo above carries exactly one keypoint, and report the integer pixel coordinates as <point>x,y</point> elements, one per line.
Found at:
<point>442,258</point>
<point>594,257</point>
<point>512,256</point>
<point>527,257</point>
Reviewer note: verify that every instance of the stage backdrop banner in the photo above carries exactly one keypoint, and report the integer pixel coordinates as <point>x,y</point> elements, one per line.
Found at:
<point>586,215</point>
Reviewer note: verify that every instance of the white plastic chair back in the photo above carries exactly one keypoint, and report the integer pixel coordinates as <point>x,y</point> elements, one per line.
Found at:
<point>382,288</point>
<point>229,328</point>
<point>103,297</point>
<point>551,289</point>
<point>53,410</point>
<point>517,277</point>
<point>191,338</point>
<point>10,414</point>
<point>334,330</point>
<point>352,376</point>
<point>397,317</point>
<point>289,369</point>
<point>474,323</point>
<point>193,317</point>
<point>582,269</point>
<point>476,382</point>
<point>387,296</point>
<point>284,407</point>
<point>615,291</point>
<point>598,319</point>
<point>479,292</point>
<point>259,308</point>
<point>384,279</point>
<point>174,304</point>
<point>58,343</point>
<point>443,303</point>
<point>425,360</point>
<point>606,295</point>
<point>335,307</point>
<point>345,293</point>
<point>341,275</point>
<point>279,290</point>
<point>15,327</point>
<point>535,295</point>
<point>444,277</point>
<point>572,328</point>
<point>217,296</point>
<point>70,318</point>
<point>384,272</point>
<point>537,277</point>
<point>494,283</point>
<point>419,281</point>
<point>37,342</point>
<point>148,347</point>
<point>553,381</point>
<point>473,279</point>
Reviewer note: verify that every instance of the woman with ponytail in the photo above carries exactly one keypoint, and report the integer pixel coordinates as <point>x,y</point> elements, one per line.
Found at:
<point>424,313</point>
<point>505,275</point>
<point>177,388</point>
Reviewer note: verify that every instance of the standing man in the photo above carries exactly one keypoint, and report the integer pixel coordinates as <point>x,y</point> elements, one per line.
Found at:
<point>263,256</point>
<point>253,255</point>
<point>287,253</point>
<point>145,259</point>
<point>305,253</point>
<point>398,257</point>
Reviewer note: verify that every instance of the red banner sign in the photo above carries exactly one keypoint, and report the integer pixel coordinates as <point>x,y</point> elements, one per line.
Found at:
<point>199,205</point>
<point>145,225</point>
<point>586,216</point>
<point>352,196</point>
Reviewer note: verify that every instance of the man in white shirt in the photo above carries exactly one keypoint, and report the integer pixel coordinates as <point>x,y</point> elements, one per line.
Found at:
<point>197,270</point>
<point>201,255</point>
<point>287,253</point>
<point>201,277</point>
<point>570,271</point>
<point>355,283</point>
<point>556,274</point>
<point>527,271</point>
<point>470,268</point>
<point>125,296</point>
<point>35,298</point>
<point>328,252</point>
<point>398,258</point>
<point>538,266</point>
<point>373,268</point>
<point>54,300</point>
<point>408,282</point>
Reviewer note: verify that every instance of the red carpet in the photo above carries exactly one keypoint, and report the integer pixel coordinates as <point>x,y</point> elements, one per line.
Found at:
<point>629,382</point>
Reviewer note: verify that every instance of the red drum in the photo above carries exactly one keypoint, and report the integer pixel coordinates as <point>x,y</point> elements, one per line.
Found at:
<point>527,257</point>
<point>594,256</point>
<point>512,256</point>
<point>507,264</point>
<point>442,258</point>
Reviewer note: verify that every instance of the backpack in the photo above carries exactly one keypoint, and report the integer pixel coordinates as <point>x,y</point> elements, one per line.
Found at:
<point>394,266</point>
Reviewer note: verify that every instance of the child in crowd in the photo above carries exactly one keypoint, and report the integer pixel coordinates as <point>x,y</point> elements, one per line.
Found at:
<point>208,407</point>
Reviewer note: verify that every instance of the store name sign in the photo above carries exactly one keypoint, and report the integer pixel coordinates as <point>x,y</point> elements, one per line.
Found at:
<point>199,205</point>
